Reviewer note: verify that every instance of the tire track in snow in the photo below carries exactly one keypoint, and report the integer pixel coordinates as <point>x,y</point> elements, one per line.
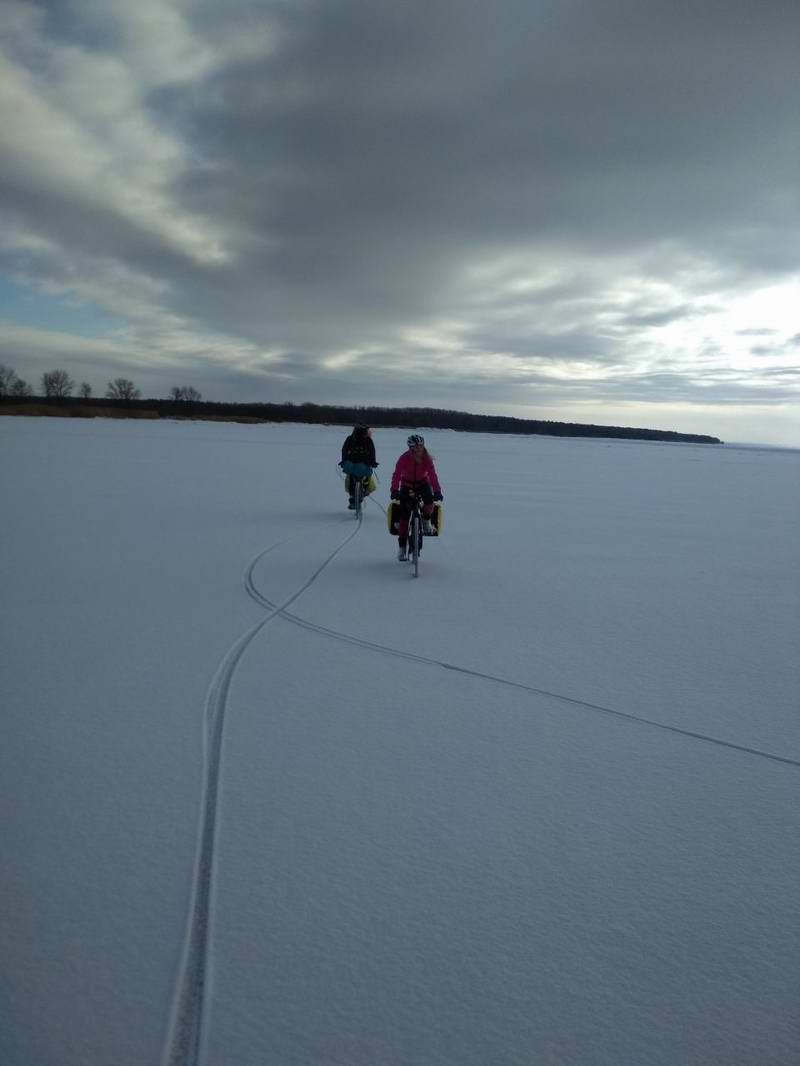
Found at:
<point>185,1039</point>
<point>385,649</point>
<point>184,1045</point>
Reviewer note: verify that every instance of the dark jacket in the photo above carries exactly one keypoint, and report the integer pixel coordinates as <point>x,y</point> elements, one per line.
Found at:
<point>359,448</point>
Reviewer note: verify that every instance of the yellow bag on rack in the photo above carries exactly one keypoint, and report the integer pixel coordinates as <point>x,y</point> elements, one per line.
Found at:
<point>437,518</point>
<point>370,487</point>
<point>393,515</point>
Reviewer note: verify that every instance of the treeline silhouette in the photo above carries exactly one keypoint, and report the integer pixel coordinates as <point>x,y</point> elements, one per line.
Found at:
<point>328,414</point>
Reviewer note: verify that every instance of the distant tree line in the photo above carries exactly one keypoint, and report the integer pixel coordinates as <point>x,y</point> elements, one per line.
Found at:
<point>185,401</point>
<point>58,385</point>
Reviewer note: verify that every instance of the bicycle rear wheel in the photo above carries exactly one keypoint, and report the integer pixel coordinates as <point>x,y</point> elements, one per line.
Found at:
<point>358,491</point>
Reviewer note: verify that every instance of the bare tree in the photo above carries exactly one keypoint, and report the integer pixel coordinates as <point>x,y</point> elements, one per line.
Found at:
<point>122,389</point>
<point>184,394</point>
<point>57,383</point>
<point>20,388</point>
<point>85,390</point>
<point>7,379</point>
<point>11,385</point>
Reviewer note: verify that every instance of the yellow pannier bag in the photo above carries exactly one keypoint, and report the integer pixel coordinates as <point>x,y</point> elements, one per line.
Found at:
<point>372,484</point>
<point>393,517</point>
<point>437,518</point>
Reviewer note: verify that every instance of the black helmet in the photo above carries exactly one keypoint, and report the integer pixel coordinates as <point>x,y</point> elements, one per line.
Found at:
<point>415,439</point>
<point>360,429</point>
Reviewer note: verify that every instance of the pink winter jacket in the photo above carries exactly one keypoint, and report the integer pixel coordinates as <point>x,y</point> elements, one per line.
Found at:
<point>410,470</point>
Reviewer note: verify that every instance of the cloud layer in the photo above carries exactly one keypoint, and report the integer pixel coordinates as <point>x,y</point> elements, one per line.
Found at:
<point>554,206</point>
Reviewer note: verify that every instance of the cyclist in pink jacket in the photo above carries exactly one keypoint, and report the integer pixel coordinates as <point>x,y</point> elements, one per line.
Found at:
<point>415,471</point>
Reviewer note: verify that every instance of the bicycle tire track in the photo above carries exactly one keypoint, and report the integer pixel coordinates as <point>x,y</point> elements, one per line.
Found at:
<point>185,1039</point>
<point>573,701</point>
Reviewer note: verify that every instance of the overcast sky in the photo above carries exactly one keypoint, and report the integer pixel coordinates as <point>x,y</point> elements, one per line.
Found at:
<point>582,210</point>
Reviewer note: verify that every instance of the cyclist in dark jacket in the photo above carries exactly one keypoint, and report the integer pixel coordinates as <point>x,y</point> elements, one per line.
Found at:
<point>358,459</point>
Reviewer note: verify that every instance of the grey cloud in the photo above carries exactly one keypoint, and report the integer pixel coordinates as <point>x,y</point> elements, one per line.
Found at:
<point>658,318</point>
<point>790,373</point>
<point>379,148</point>
<point>358,169</point>
<point>684,388</point>
<point>581,345</point>
<point>764,351</point>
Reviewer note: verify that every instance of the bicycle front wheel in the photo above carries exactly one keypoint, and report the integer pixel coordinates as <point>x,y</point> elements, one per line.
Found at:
<point>415,541</point>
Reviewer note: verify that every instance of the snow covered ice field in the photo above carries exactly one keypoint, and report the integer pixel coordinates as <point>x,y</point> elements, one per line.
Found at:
<point>539,806</point>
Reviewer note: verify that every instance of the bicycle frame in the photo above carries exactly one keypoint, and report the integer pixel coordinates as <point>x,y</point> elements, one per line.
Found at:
<point>415,534</point>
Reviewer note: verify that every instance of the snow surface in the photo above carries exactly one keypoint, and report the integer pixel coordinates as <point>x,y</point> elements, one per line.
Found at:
<point>541,807</point>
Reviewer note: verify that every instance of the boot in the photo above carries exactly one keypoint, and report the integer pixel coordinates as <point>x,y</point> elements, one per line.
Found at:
<point>402,554</point>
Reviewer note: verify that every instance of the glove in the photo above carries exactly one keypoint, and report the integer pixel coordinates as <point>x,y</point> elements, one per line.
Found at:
<point>395,495</point>
<point>438,496</point>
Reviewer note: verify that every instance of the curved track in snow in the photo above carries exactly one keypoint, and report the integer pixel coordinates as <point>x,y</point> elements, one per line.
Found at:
<point>386,649</point>
<point>185,1037</point>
